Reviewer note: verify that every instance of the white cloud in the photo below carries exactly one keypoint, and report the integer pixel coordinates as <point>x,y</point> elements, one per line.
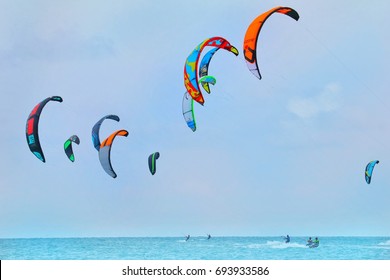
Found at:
<point>328,100</point>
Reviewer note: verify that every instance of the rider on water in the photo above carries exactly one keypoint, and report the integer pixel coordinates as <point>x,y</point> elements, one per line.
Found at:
<point>287,238</point>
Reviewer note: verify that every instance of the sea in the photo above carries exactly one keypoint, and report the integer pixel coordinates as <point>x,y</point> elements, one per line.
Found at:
<point>195,248</point>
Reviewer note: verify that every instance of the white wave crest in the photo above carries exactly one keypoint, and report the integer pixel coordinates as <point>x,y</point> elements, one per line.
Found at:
<point>386,243</point>
<point>282,245</point>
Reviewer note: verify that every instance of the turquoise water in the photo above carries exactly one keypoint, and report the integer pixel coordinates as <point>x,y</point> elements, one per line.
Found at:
<point>196,248</point>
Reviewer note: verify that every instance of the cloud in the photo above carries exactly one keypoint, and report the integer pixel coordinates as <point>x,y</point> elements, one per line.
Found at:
<point>328,100</point>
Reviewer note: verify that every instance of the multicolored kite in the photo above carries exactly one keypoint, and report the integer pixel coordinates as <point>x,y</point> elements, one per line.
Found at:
<point>32,127</point>
<point>205,81</point>
<point>191,65</point>
<point>204,68</point>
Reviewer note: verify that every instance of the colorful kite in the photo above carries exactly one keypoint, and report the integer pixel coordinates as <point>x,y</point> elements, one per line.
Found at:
<point>32,127</point>
<point>206,80</point>
<point>191,65</point>
<point>204,68</point>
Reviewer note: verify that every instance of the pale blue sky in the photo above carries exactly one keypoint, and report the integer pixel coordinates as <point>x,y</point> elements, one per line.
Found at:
<point>282,155</point>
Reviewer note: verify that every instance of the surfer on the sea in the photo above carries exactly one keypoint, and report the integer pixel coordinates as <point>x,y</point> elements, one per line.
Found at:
<point>313,243</point>
<point>187,237</point>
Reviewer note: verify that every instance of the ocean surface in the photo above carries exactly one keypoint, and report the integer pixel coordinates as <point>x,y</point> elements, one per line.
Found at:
<point>196,248</point>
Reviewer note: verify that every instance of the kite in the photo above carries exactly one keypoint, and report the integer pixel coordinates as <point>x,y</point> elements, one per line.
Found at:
<point>105,152</point>
<point>96,129</point>
<point>188,111</point>
<point>188,104</point>
<point>206,80</point>
<point>204,68</point>
<point>32,127</point>
<point>369,170</point>
<point>252,35</point>
<point>152,162</point>
<point>68,146</point>
<point>191,65</point>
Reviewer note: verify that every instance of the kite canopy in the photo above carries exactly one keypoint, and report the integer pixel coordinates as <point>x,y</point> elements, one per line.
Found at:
<point>152,162</point>
<point>191,65</point>
<point>369,169</point>
<point>105,152</point>
<point>252,35</point>
<point>188,103</point>
<point>96,129</point>
<point>206,80</point>
<point>204,68</point>
<point>32,127</point>
<point>68,146</point>
<point>188,111</point>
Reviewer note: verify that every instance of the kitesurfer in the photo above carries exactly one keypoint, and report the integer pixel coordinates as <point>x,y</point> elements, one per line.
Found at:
<point>208,236</point>
<point>316,242</point>
<point>287,238</point>
<point>187,237</point>
<point>309,242</point>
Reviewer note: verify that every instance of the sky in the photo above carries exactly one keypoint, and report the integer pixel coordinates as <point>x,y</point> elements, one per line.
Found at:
<point>281,155</point>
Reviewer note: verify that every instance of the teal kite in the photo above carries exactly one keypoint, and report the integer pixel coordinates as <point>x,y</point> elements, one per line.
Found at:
<point>369,169</point>
<point>152,162</point>
<point>68,146</point>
